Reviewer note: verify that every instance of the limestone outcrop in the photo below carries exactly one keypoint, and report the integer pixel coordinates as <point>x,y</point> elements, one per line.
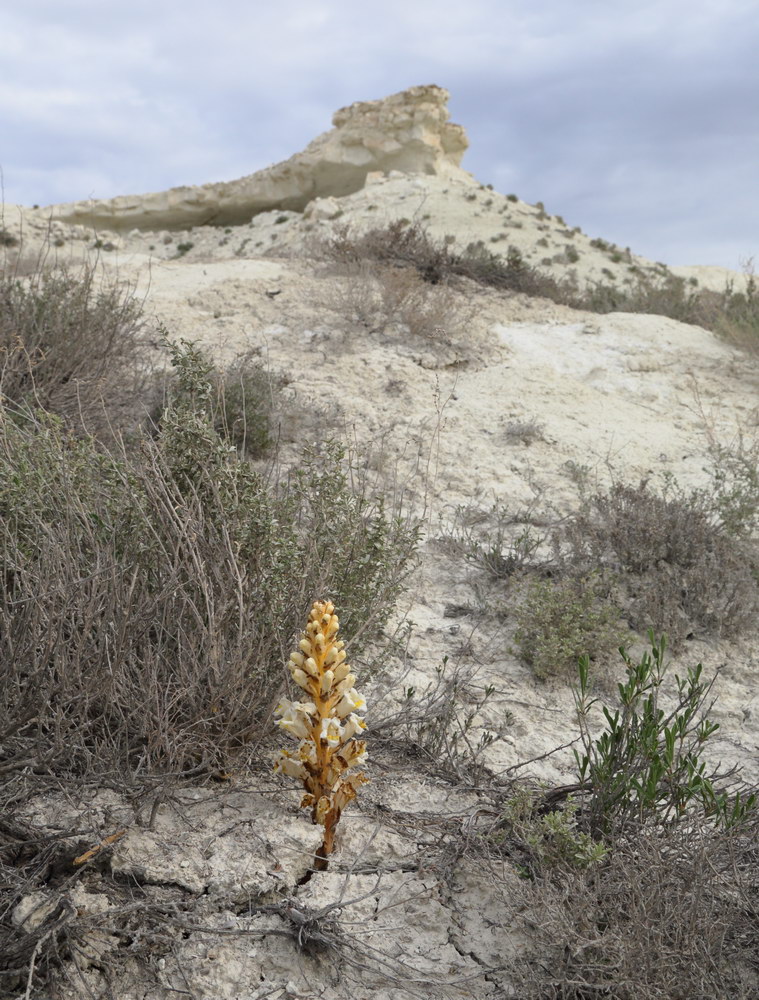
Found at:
<point>408,132</point>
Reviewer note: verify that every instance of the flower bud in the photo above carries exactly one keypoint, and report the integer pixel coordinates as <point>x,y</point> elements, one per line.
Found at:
<point>301,678</point>
<point>341,671</point>
<point>345,684</point>
<point>326,682</point>
<point>305,645</point>
<point>297,659</point>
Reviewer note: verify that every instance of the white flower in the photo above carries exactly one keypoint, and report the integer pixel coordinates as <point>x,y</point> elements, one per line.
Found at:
<point>332,732</point>
<point>351,701</point>
<point>292,768</point>
<point>353,724</point>
<point>296,717</point>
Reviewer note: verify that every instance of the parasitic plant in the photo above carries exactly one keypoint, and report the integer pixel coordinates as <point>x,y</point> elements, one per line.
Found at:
<point>325,722</point>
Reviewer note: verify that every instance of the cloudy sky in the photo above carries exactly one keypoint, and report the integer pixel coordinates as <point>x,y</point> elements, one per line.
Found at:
<point>637,120</point>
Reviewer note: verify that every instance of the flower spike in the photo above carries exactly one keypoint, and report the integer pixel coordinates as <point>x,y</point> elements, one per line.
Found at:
<point>325,722</point>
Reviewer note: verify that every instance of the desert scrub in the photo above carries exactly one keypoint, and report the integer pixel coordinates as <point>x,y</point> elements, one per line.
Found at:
<point>74,345</point>
<point>500,542</point>
<point>561,620</point>
<point>325,723</point>
<point>679,569</point>
<point>247,399</point>
<point>660,917</point>
<point>146,597</point>
<point>436,262</point>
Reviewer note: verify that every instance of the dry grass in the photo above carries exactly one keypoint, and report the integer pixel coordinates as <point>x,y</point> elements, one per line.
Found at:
<point>391,300</point>
<point>667,916</point>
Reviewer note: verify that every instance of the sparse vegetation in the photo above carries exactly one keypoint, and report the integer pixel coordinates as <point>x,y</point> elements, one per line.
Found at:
<point>679,570</point>
<point>525,431</point>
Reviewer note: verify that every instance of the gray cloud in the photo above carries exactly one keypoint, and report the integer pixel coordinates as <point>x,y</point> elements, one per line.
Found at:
<point>637,121</point>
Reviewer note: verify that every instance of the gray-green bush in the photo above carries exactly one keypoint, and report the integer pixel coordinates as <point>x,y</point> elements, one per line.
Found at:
<point>74,345</point>
<point>563,619</point>
<point>148,602</point>
<point>679,570</point>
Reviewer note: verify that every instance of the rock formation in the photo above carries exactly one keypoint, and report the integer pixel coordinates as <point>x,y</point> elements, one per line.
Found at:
<point>409,132</point>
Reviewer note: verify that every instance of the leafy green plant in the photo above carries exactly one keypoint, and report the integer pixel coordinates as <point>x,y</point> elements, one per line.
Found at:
<point>561,620</point>
<point>547,839</point>
<point>184,248</point>
<point>647,766</point>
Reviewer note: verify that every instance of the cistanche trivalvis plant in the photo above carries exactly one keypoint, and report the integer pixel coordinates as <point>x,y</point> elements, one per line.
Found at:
<point>325,722</point>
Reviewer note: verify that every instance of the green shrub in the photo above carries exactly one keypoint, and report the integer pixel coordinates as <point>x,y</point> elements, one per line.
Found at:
<point>647,766</point>
<point>147,601</point>
<point>561,620</point>
<point>547,838</point>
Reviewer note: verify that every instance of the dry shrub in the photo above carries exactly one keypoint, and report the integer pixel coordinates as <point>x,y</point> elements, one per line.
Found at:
<point>74,345</point>
<point>679,569</point>
<point>730,313</point>
<point>669,915</point>
<point>381,296</point>
<point>403,244</point>
<point>146,601</point>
